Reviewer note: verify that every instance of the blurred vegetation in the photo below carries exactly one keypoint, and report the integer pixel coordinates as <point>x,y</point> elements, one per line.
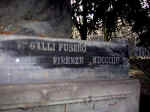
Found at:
<point>112,16</point>
<point>91,15</point>
<point>141,69</point>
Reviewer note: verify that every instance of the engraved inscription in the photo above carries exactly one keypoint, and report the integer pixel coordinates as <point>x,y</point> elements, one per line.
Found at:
<point>106,60</point>
<point>62,60</point>
<point>43,46</point>
<point>22,44</point>
<point>53,46</point>
<point>75,47</point>
<point>37,60</point>
<point>95,60</point>
<point>141,52</point>
<point>61,53</point>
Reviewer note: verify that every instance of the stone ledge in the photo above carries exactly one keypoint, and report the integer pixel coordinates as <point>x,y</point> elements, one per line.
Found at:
<point>68,92</point>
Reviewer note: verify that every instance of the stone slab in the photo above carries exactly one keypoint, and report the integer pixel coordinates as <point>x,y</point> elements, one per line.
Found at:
<point>25,59</point>
<point>72,96</point>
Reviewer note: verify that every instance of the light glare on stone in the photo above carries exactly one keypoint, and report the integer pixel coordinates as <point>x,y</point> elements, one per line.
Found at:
<point>17,60</point>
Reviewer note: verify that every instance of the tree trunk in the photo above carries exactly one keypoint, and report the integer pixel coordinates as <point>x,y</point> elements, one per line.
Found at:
<point>84,28</point>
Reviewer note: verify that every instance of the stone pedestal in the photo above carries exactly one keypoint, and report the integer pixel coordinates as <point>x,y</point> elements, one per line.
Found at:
<point>71,96</point>
<point>59,75</point>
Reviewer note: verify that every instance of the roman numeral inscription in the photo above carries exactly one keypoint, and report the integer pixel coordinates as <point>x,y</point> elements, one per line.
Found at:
<point>29,59</point>
<point>80,50</point>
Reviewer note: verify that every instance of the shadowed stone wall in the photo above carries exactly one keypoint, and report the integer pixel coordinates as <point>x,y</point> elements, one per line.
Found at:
<point>45,18</point>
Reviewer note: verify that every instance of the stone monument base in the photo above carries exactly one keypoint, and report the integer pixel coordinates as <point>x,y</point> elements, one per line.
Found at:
<point>72,96</point>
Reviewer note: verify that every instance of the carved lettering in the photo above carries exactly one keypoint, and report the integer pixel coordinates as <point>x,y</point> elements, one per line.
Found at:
<point>67,60</point>
<point>105,60</point>
<point>74,47</point>
<point>32,46</point>
<point>143,52</point>
<point>42,46</point>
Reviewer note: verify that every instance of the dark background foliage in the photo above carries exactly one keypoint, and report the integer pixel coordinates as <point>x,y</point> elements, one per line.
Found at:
<point>104,14</point>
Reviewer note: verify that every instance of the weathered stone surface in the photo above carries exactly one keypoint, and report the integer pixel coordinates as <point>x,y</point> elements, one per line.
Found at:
<point>56,108</point>
<point>36,60</point>
<point>36,18</point>
<point>71,96</point>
